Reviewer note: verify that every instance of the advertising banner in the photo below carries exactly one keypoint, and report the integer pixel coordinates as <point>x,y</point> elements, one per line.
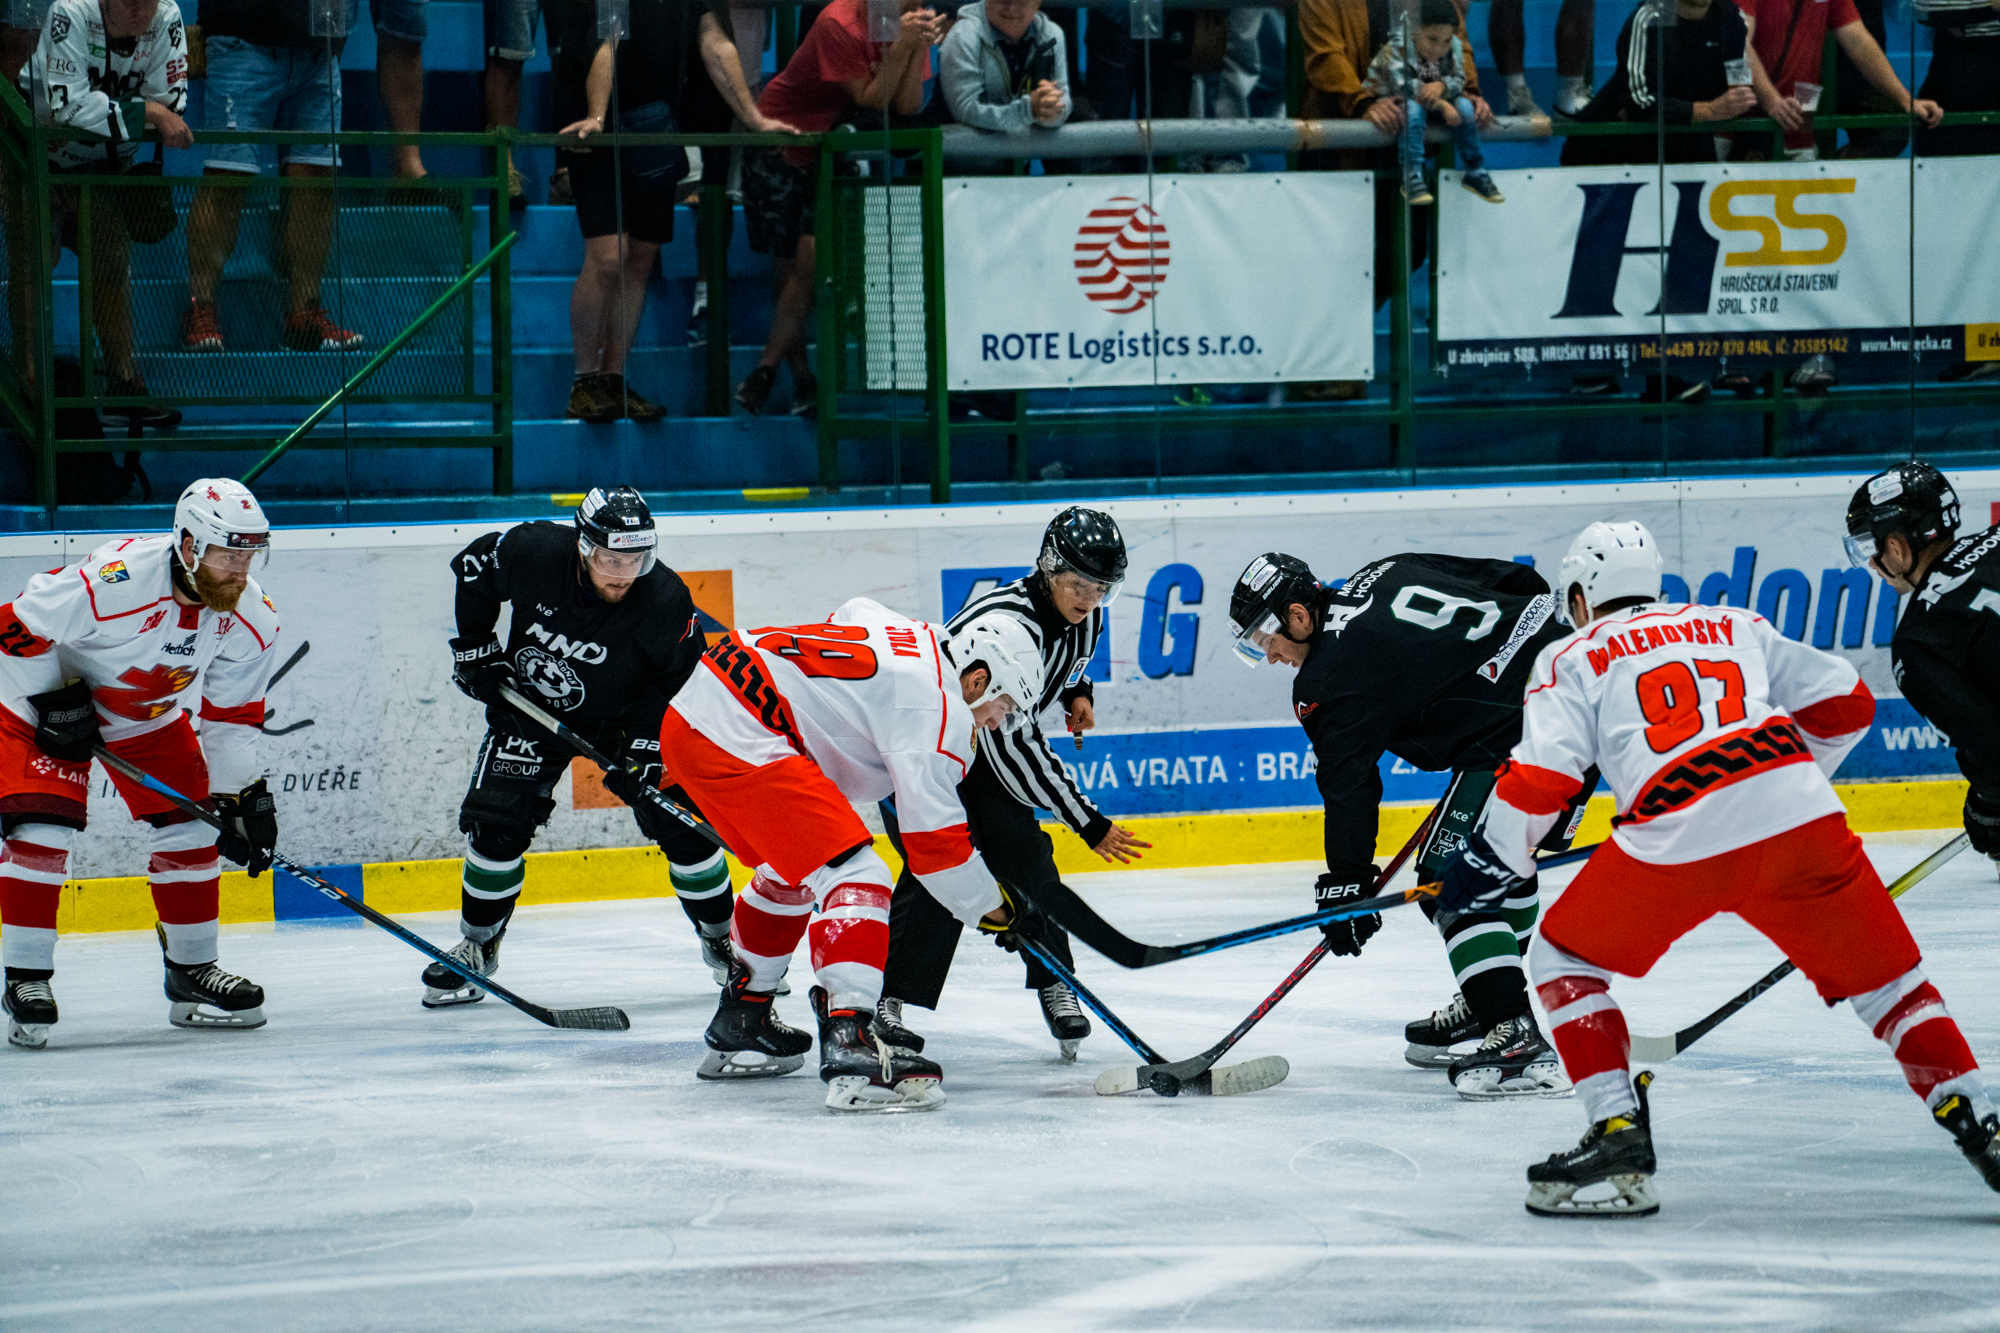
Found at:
<point>1099,281</point>
<point>369,747</point>
<point>1629,264</point>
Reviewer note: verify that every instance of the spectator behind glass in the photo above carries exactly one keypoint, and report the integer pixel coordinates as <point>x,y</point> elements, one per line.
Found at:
<point>1002,67</point>
<point>510,44</point>
<point>1671,68</point>
<point>1427,75</point>
<point>835,69</point>
<point>625,197</point>
<point>1788,37</point>
<point>266,71</point>
<point>21,24</point>
<point>1507,38</point>
<point>400,29</point>
<point>90,59</point>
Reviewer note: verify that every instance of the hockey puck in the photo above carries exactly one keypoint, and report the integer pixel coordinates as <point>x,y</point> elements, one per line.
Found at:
<point>1165,1084</point>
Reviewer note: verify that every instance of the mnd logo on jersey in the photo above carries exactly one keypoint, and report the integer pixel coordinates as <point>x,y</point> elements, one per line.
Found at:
<point>548,668</point>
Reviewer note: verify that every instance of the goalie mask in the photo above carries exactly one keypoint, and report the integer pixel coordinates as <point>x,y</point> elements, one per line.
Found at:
<point>1013,663</point>
<point>614,533</point>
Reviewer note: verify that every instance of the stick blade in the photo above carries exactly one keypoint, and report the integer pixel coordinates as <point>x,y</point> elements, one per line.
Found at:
<point>1654,1050</point>
<point>1116,1082</point>
<point>1265,1071</point>
<point>604,1018</point>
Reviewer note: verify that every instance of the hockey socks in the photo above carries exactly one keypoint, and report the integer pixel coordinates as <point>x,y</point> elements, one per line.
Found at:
<point>1909,1015</point>
<point>703,889</point>
<point>1486,962</point>
<point>186,881</point>
<point>1588,1029</point>
<point>32,867</point>
<point>769,921</point>
<point>488,894</point>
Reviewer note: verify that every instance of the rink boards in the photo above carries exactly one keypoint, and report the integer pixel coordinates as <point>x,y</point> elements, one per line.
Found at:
<point>607,874</point>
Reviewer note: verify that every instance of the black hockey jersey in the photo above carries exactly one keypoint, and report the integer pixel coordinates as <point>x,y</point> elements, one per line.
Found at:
<point>1946,654</point>
<point>1423,656</point>
<point>586,660</point>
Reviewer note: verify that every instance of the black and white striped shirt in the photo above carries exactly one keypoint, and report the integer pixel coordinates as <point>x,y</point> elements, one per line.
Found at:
<point>1022,760</point>
<point>1967,18</point>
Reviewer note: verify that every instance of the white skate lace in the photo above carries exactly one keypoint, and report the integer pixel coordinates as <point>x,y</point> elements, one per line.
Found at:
<point>34,990</point>
<point>1503,1035</point>
<point>216,981</point>
<point>472,953</point>
<point>1060,1001</point>
<point>1455,1012</point>
<point>890,1010</point>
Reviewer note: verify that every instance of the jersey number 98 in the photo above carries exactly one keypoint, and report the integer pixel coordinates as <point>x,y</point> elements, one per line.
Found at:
<point>835,651</point>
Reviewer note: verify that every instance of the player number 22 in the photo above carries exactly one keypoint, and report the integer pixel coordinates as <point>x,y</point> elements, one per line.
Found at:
<point>1670,697</point>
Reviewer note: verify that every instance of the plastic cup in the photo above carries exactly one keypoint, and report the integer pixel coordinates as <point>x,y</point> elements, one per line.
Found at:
<point>1807,96</point>
<point>1738,72</point>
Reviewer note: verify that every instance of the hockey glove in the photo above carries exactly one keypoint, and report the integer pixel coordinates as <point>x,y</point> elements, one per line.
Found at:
<point>1982,822</point>
<point>1024,922</point>
<point>479,667</point>
<point>249,827</point>
<point>68,726</point>
<point>1474,879</point>
<point>1345,937</point>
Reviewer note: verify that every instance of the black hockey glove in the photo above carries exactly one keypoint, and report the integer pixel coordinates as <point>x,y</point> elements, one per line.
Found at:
<point>1346,937</point>
<point>67,729</point>
<point>480,667</point>
<point>249,827</point>
<point>1024,922</point>
<point>1474,879</point>
<point>1982,823</point>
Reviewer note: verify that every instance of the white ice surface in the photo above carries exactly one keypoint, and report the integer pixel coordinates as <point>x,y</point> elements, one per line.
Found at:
<point>361,1163</point>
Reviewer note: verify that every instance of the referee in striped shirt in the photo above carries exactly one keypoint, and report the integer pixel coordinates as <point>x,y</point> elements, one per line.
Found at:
<point>1063,604</point>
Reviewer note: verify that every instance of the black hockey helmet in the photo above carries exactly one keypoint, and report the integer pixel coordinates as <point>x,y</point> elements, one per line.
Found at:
<point>1912,498</point>
<point>614,533</point>
<point>1271,582</point>
<point>1086,543</point>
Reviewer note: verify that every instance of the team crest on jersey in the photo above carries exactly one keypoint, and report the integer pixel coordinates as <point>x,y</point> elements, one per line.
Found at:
<point>1306,710</point>
<point>553,678</point>
<point>270,605</point>
<point>114,572</point>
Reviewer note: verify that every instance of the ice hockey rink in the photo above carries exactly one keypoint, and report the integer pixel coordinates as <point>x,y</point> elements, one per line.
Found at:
<point>361,1163</point>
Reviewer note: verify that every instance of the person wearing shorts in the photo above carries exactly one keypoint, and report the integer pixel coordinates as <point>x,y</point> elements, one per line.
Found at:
<point>400,29</point>
<point>510,44</point>
<point>266,71</point>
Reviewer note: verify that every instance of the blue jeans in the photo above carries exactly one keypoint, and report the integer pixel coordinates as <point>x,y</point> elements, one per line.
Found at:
<point>1464,137</point>
<point>269,88</point>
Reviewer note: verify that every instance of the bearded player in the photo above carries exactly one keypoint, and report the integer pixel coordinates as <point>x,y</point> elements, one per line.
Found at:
<point>1718,736</point>
<point>107,652</point>
<point>775,737</point>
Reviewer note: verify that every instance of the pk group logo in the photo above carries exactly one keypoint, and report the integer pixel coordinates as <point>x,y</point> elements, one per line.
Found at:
<point>1121,254</point>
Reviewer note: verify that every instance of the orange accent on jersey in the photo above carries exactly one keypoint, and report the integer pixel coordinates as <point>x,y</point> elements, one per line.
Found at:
<point>1721,763</point>
<point>834,651</point>
<point>1838,716</point>
<point>244,715</point>
<point>940,849</point>
<point>738,669</point>
<point>147,694</point>
<point>16,639</point>
<point>1535,791</point>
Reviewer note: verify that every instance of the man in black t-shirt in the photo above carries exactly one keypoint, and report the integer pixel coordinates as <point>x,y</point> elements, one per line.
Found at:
<point>603,637</point>
<point>1671,69</point>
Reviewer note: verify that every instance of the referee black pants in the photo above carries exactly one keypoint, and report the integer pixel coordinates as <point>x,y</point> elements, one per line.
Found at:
<point>923,935</point>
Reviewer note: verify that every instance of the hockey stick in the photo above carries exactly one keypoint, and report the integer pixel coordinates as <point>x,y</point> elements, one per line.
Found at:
<point>602,1018</point>
<point>606,762</point>
<point>1169,1080</point>
<point>1654,1050</point>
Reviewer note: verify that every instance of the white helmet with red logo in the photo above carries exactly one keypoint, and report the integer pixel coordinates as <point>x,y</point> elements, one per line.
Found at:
<point>221,512</point>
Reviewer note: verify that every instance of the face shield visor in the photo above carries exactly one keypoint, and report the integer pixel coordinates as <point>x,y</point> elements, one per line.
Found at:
<point>1861,550</point>
<point>1253,645</point>
<point>630,555</point>
<point>243,555</point>
<point>1073,583</point>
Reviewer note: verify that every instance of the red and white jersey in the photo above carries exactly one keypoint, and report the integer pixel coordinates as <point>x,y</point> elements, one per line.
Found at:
<point>1713,730</point>
<point>870,699</point>
<point>113,621</point>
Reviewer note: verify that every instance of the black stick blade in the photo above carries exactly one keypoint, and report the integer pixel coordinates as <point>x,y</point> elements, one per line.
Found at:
<point>604,1018</point>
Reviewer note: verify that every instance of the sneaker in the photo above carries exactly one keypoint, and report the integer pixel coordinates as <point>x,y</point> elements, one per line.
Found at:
<point>517,189</point>
<point>1978,1139</point>
<point>1521,102</point>
<point>1814,376</point>
<point>633,405</point>
<point>805,396</point>
<point>201,327</point>
<point>592,399</point>
<point>755,390</point>
<point>312,330</point>
<point>1416,192</point>
<point>145,416</point>
<point>1573,95</point>
<point>697,330</point>
<point>1482,185</point>
<point>560,195</point>
<point>1616,1151</point>
<point>1962,371</point>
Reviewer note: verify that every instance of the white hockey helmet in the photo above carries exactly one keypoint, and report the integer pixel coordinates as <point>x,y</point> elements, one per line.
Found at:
<point>1003,645</point>
<point>221,512</point>
<point>1610,561</point>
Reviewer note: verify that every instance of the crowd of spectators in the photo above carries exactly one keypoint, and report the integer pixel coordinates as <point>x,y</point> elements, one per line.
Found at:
<point>116,68</point>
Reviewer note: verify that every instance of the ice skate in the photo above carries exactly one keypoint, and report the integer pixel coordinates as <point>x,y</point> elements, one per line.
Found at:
<point>1065,1018</point>
<point>1513,1061</point>
<point>208,997</point>
<point>717,955</point>
<point>444,987</point>
<point>745,1038</point>
<point>863,1074</point>
<point>1617,1152</point>
<point>1431,1039</point>
<point>889,1026</point>
<point>31,1012</point>
<point>1978,1139</point>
